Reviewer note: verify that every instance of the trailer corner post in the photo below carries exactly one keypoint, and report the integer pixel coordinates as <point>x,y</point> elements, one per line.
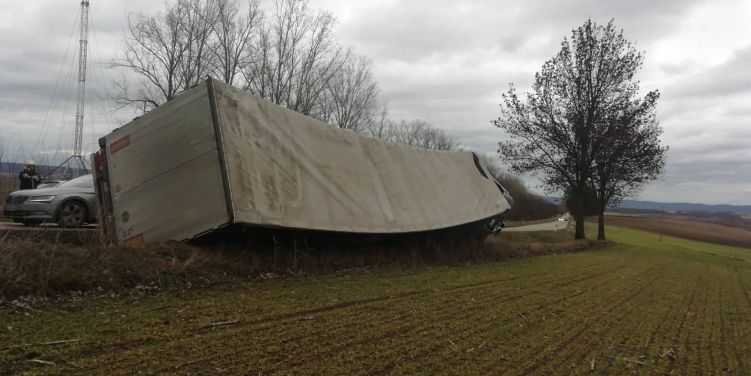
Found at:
<point>220,151</point>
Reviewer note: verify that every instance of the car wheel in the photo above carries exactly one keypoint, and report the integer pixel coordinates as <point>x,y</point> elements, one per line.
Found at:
<point>72,214</point>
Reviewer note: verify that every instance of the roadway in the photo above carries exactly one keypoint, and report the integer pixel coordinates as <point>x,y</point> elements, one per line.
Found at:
<point>556,224</point>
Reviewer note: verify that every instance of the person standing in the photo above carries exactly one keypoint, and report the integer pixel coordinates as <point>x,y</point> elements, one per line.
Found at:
<point>29,177</point>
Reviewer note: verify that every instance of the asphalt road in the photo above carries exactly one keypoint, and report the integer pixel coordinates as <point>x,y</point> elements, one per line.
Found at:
<point>555,225</point>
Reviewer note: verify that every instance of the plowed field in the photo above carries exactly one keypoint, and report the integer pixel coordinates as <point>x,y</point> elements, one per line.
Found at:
<point>648,305</point>
<point>687,228</point>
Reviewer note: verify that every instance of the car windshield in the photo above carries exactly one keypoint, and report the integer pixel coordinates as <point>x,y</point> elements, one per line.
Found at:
<point>85,181</point>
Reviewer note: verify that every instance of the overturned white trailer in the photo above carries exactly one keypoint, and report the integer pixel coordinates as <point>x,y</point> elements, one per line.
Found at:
<point>215,156</point>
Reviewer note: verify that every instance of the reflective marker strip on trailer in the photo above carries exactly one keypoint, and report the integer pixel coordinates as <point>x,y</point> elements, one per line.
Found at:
<point>120,144</point>
<point>135,242</point>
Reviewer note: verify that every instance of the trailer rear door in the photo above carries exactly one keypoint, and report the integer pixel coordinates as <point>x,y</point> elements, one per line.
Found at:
<point>164,173</point>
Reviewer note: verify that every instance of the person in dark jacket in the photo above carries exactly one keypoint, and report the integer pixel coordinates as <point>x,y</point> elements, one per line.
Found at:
<point>29,177</point>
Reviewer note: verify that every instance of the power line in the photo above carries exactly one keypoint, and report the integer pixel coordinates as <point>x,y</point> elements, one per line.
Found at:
<point>55,99</point>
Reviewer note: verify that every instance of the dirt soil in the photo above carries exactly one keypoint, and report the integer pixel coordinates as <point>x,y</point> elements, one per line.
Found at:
<point>686,227</point>
<point>648,305</point>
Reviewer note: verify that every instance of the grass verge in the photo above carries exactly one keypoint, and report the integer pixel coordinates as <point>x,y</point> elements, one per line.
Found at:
<point>51,266</point>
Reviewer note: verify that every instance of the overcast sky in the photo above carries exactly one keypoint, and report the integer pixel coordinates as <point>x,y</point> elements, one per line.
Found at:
<point>446,62</point>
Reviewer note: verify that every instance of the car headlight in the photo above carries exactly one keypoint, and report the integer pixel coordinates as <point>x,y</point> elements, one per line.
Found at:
<point>41,198</point>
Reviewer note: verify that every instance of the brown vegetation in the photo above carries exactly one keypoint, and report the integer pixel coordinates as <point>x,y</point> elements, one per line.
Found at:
<point>45,268</point>
<point>688,228</point>
<point>725,219</point>
<point>49,262</point>
<point>528,206</point>
<point>7,185</point>
<point>525,244</point>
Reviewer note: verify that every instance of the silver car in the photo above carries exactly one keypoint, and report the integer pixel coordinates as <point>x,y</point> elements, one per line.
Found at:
<point>69,204</point>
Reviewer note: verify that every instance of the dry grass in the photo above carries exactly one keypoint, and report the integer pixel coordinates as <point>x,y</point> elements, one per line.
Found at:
<point>686,227</point>
<point>527,244</point>
<point>7,184</point>
<point>725,219</point>
<point>42,268</point>
<point>648,305</point>
<point>47,262</point>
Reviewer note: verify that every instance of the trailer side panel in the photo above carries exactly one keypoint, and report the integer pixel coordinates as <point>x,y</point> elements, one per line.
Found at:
<point>289,170</point>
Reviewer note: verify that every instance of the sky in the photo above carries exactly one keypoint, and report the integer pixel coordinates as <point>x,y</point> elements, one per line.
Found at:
<point>447,62</point>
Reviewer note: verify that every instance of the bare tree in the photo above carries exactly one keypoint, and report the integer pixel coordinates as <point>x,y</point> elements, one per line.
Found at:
<point>557,132</point>
<point>295,58</point>
<point>290,58</point>
<point>417,133</point>
<point>631,154</point>
<point>168,52</point>
<point>153,52</point>
<point>350,100</point>
<point>235,33</point>
<point>381,125</point>
<point>422,134</point>
<point>199,19</point>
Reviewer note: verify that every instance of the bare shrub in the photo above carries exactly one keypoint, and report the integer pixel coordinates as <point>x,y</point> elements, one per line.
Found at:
<point>527,205</point>
<point>7,185</point>
<point>508,245</point>
<point>39,266</point>
<point>42,267</point>
<point>417,133</point>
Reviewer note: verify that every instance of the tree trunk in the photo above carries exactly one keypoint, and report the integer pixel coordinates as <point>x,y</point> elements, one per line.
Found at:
<point>601,226</point>
<point>579,218</point>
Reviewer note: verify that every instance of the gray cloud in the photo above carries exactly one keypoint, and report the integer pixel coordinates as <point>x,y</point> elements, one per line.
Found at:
<point>443,61</point>
<point>413,30</point>
<point>731,78</point>
<point>677,67</point>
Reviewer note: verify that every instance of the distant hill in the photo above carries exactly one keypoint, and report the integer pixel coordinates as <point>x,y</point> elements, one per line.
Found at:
<point>675,207</point>
<point>14,168</point>
<point>685,207</point>
<point>11,168</point>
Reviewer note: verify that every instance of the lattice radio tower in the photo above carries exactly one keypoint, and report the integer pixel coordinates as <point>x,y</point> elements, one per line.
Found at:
<point>75,164</point>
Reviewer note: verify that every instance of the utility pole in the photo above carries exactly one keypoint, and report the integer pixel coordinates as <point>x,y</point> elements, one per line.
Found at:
<point>75,164</point>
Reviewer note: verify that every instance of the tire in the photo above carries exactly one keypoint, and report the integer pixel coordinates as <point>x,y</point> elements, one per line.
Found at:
<point>72,214</point>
